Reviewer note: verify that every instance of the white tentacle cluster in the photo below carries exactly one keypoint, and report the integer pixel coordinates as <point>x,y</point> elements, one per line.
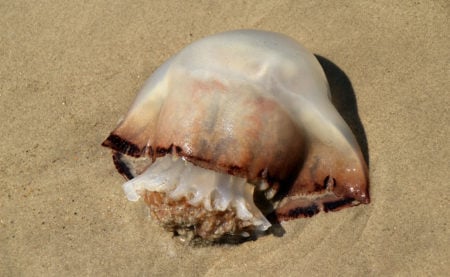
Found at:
<point>215,191</point>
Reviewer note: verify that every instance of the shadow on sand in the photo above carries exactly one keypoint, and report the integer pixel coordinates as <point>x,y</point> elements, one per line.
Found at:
<point>344,100</point>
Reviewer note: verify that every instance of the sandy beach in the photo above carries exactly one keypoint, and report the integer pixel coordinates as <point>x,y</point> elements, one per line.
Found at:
<point>69,71</point>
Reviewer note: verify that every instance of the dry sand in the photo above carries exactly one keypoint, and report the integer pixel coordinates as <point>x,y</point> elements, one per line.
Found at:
<point>69,70</point>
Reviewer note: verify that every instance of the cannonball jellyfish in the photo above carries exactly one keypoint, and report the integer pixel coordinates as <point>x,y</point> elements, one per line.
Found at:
<point>232,120</point>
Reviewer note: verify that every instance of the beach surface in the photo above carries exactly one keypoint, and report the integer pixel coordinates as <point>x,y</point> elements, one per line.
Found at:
<point>69,71</point>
